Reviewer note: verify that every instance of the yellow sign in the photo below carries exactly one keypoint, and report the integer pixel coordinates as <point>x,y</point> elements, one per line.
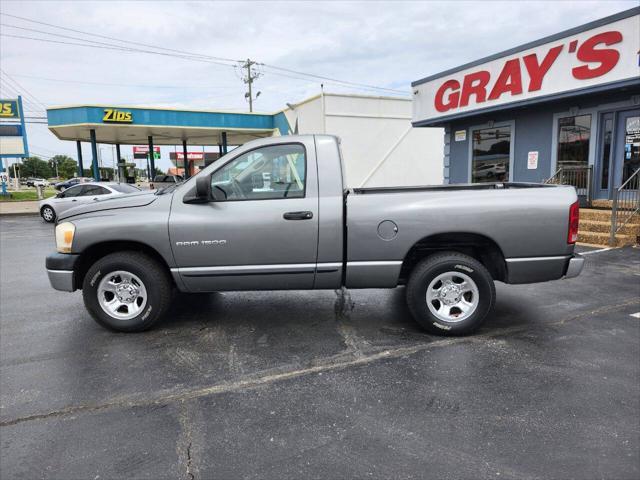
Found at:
<point>113,115</point>
<point>9,109</point>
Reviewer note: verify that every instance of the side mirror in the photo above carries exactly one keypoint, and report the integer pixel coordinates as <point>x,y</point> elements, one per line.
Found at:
<point>202,192</point>
<point>203,188</point>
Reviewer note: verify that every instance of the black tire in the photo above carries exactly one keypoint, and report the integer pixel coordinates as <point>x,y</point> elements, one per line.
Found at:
<point>457,264</point>
<point>44,213</point>
<point>154,277</point>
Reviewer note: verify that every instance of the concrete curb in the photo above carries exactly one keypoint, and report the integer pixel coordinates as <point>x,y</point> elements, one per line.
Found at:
<point>19,214</point>
<point>28,207</point>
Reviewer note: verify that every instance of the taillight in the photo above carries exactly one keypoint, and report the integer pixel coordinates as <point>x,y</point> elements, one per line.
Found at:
<point>574,221</point>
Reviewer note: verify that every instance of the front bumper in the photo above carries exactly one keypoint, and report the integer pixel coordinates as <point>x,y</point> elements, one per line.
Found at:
<point>575,266</point>
<point>61,270</point>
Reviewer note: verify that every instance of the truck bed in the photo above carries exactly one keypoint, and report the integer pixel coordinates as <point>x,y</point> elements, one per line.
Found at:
<point>451,187</point>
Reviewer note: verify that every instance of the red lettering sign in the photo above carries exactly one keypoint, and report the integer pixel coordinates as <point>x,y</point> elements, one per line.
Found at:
<point>607,57</point>
<point>509,80</point>
<point>478,87</point>
<point>452,99</point>
<point>536,70</point>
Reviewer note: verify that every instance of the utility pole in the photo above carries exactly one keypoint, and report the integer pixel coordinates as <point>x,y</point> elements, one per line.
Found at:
<point>248,79</point>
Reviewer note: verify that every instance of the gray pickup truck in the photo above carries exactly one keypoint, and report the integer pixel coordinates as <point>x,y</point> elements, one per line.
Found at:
<point>274,214</point>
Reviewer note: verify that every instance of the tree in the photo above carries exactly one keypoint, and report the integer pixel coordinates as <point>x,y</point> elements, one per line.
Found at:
<point>35,167</point>
<point>67,166</point>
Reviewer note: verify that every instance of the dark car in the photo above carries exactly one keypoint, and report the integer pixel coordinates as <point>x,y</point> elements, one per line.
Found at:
<point>163,181</point>
<point>62,186</point>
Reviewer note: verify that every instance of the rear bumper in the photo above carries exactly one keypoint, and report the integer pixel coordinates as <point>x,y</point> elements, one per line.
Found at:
<point>543,269</point>
<point>61,271</point>
<point>575,266</point>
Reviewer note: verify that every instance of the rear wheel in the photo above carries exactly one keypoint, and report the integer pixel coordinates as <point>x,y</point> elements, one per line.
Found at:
<point>48,214</point>
<point>450,293</point>
<point>127,291</point>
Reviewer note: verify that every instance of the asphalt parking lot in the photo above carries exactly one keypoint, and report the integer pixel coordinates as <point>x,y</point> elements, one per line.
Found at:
<point>319,384</point>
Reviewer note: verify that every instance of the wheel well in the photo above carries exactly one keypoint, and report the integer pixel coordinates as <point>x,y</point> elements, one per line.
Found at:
<point>95,252</point>
<point>480,247</point>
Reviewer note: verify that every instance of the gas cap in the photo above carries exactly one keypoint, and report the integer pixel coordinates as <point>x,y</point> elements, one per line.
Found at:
<point>387,230</point>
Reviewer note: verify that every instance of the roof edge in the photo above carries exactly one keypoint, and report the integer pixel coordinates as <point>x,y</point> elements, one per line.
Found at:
<point>572,31</point>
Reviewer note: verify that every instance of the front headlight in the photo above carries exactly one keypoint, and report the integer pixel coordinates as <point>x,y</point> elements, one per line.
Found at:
<point>64,237</point>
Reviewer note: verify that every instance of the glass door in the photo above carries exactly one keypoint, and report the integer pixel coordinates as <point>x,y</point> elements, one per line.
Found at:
<point>627,146</point>
<point>604,178</point>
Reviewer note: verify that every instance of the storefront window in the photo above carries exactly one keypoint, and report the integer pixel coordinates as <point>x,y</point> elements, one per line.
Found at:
<point>491,152</point>
<point>574,134</point>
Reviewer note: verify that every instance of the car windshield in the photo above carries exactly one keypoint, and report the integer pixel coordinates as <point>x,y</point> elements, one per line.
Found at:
<point>125,188</point>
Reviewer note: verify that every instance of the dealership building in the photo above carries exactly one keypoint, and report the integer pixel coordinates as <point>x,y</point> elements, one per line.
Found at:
<point>567,102</point>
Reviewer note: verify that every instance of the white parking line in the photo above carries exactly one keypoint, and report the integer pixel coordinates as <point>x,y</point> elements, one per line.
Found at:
<point>636,315</point>
<point>597,251</point>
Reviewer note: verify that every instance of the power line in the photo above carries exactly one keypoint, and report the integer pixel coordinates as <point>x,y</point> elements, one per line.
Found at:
<point>193,56</point>
<point>129,85</point>
<point>328,79</point>
<point>15,84</point>
<point>117,39</point>
<point>115,47</point>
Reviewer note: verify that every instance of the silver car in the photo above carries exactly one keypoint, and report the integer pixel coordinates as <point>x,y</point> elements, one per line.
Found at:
<point>52,207</point>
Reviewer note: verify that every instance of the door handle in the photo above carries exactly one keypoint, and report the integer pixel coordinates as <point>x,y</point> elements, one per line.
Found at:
<point>298,216</point>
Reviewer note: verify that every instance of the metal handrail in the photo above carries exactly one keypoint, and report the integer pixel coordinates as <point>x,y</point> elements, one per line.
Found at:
<point>578,177</point>
<point>625,204</point>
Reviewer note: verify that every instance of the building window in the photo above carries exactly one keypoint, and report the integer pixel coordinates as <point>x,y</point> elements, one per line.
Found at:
<point>491,154</point>
<point>574,134</point>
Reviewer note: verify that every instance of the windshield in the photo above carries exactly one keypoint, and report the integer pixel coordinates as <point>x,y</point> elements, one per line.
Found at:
<point>125,188</point>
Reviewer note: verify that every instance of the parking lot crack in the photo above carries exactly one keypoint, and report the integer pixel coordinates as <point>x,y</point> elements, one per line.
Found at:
<point>184,443</point>
<point>343,307</point>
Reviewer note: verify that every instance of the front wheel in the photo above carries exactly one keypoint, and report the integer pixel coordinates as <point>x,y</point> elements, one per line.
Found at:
<point>48,214</point>
<point>450,293</point>
<point>127,291</point>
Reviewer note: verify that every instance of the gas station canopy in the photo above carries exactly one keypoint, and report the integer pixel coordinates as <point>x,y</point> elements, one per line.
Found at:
<point>134,125</point>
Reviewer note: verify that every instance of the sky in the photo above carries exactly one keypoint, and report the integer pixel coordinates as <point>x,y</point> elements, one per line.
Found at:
<point>383,44</point>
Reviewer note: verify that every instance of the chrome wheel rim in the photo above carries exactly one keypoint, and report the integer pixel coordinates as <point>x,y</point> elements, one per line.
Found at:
<point>47,213</point>
<point>122,295</point>
<point>452,297</point>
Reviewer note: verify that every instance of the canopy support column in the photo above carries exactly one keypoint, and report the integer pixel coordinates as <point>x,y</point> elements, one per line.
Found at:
<point>119,168</point>
<point>185,159</point>
<point>80,166</point>
<point>94,156</point>
<point>224,143</point>
<point>152,159</point>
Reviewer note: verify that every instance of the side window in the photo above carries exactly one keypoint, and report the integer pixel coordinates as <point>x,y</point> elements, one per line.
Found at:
<point>267,173</point>
<point>71,192</point>
<point>92,190</point>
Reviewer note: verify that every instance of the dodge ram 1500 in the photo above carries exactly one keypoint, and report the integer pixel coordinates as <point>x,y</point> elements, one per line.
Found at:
<point>274,214</point>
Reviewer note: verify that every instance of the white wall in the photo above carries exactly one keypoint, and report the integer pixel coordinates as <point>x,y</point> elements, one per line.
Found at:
<point>378,144</point>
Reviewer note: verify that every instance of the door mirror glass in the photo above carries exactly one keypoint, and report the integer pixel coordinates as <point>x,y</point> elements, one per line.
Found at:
<point>203,187</point>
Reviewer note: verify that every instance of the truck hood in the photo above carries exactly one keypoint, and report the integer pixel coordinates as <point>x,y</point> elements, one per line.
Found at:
<point>131,200</point>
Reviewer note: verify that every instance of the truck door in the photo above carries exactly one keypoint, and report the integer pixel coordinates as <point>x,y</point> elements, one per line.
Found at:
<point>260,232</point>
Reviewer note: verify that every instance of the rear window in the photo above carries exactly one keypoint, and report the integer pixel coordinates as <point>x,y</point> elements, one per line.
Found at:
<point>124,188</point>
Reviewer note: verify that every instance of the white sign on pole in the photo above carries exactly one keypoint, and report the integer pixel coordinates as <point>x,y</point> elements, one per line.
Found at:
<point>532,160</point>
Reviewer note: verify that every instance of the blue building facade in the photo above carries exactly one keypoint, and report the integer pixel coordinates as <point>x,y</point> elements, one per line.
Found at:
<point>565,103</point>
